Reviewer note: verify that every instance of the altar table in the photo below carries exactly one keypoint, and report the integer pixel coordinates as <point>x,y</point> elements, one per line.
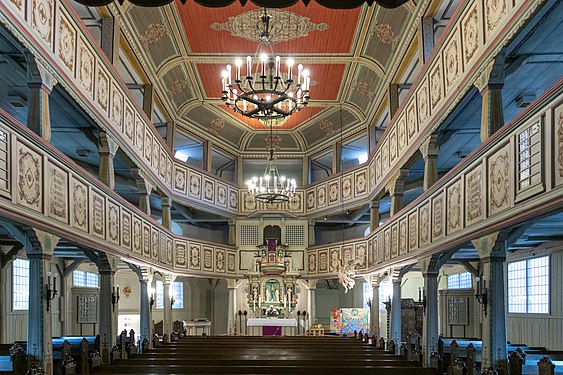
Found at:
<point>271,326</point>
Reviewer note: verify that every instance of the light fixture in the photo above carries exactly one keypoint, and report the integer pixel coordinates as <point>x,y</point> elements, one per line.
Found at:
<point>51,289</point>
<point>481,295</point>
<point>151,297</point>
<point>266,93</point>
<point>271,187</point>
<point>422,297</point>
<point>114,296</point>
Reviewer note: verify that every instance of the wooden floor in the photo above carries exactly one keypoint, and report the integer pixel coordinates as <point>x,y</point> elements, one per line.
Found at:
<point>266,355</point>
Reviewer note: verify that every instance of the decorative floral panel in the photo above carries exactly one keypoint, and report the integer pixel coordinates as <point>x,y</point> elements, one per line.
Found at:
<point>500,191</point>
<point>221,195</point>
<point>195,256</point>
<point>394,240</point>
<point>207,258</point>
<point>361,255</point>
<point>311,199</point>
<point>321,196</point>
<point>42,19</point>
<point>347,187</point>
<point>147,240</point>
<point>454,213</point>
<point>312,262</point>
<point>495,16</point>
<point>387,243</point>
<point>436,85</point>
<point>220,260</point>
<point>29,189</point>
<point>231,262</point>
<point>194,185</point>
<point>323,261</point>
<point>116,106</point>
<point>452,61</point>
<point>402,133</point>
<point>155,243</point>
<point>102,88</point>
<point>333,191</point>
<point>295,204</point>
<point>471,33</point>
<point>98,214</point>
<point>403,236</point>
<point>412,120</point>
<point>86,67</point>
<point>334,258</point>
<point>233,199</point>
<point>126,229</point>
<point>113,223</point>
<point>66,42</point>
<point>181,257</point>
<point>180,179</point>
<point>423,102</point>
<point>393,152</point>
<point>413,231</point>
<point>424,221</point>
<point>360,185</point>
<point>438,208</point>
<point>138,241</point>
<point>208,190</point>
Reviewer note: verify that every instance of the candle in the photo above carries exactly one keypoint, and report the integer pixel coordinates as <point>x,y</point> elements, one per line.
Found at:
<point>419,294</point>
<point>264,59</point>
<point>299,70</point>
<point>228,74</point>
<point>238,63</point>
<point>289,68</point>
<point>278,62</point>
<point>248,66</point>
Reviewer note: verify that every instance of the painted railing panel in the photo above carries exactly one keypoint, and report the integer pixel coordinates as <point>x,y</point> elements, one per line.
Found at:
<point>45,189</point>
<point>492,188</point>
<point>478,29</point>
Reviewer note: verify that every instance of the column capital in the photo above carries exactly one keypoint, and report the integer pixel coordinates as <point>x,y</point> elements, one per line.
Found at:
<point>493,75</point>
<point>429,148</point>
<point>168,278</point>
<point>42,243</point>
<point>144,185</point>
<point>311,284</point>
<point>107,146</point>
<point>397,183</point>
<point>37,73</point>
<point>107,263</point>
<point>490,246</point>
<point>375,279</point>
<point>232,283</point>
<point>431,265</point>
<point>374,203</point>
<point>166,201</point>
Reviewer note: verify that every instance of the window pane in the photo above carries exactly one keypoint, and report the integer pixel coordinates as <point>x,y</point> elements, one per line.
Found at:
<point>91,280</point>
<point>517,287</point>
<point>178,292</point>
<point>385,293</point>
<point>459,281</point>
<point>538,285</point>
<point>20,284</point>
<point>159,295</point>
<point>79,278</point>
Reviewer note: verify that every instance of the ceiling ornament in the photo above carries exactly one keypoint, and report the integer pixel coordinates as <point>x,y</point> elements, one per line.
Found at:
<point>178,86</point>
<point>341,4</point>
<point>273,141</point>
<point>267,91</point>
<point>326,126</point>
<point>284,26</point>
<point>385,34</point>
<point>154,32</point>
<point>217,125</point>
<point>364,89</point>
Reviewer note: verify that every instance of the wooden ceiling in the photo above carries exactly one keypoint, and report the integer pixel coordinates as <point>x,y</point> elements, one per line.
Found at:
<point>184,48</point>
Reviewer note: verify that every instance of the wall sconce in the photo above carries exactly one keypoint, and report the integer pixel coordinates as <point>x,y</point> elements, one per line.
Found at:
<point>172,301</point>
<point>422,297</point>
<point>151,297</point>
<point>114,296</point>
<point>51,289</point>
<point>481,293</point>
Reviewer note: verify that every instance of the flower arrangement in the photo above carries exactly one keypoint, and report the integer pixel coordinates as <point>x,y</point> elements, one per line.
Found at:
<point>272,312</point>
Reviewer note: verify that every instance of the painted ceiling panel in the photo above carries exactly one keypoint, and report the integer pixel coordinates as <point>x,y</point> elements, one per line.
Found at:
<point>208,122</point>
<point>364,88</point>
<point>291,122</point>
<point>298,29</point>
<point>153,33</point>
<point>177,85</point>
<point>328,127</point>
<point>287,142</point>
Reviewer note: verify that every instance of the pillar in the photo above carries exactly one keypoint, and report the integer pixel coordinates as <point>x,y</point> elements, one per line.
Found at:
<point>374,214</point>
<point>232,232</point>
<point>395,328</point>
<point>107,266</point>
<point>311,232</point>
<point>492,252</point>
<point>429,151</point>
<point>430,324</point>
<point>490,85</point>
<point>167,321</point>
<point>240,178</point>
<point>39,342</point>
<point>336,157</point>
<point>306,171</point>
<point>110,39</point>
<point>107,149</point>
<point>427,34</point>
<point>374,319</point>
<point>396,190</point>
<point>145,279</point>
<point>311,300</point>
<point>393,99</point>
<point>144,187</point>
<point>207,156</point>
<point>148,99</point>
<point>231,311</point>
<point>166,203</point>
<point>170,134</point>
<point>40,83</point>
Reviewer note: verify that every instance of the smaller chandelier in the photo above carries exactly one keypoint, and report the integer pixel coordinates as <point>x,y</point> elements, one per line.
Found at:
<point>268,93</point>
<point>271,188</point>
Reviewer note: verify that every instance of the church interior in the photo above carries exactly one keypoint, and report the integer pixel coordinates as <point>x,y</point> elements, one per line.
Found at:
<point>182,177</point>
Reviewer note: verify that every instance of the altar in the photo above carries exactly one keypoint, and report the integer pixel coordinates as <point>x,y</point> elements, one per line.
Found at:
<point>271,326</point>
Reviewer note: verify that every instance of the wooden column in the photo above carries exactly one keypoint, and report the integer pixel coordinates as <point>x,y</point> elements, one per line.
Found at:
<point>166,204</point>
<point>490,85</point>
<point>374,214</point>
<point>145,188</point>
<point>429,150</point>
<point>375,280</point>
<point>39,335</point>
<point>170,135</point>
<point>167,281</point>
<point>396,191</point>
<point>107,150</point>
<point>231,316</point>
<point>110,39</point>
<point>311,232</point>
<point>148,99</point>
<point>393,99</point>
<point>395,327</point>
<point>492,252</point>
<point>336,157</point>
<point>232,232</point>
<point>40,83</point>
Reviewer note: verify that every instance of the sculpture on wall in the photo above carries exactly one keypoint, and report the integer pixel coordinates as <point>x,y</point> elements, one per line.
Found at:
<point>346,275</point>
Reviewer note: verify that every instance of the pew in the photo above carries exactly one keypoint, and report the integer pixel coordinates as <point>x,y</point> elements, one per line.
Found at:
<point>546,367</point>
<point>515,363</point>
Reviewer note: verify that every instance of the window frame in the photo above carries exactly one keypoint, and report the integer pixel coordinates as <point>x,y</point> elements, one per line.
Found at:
<point>526,287</point>
<point>20,290</point>
<point>459,281</point>
<point>178,298</point>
